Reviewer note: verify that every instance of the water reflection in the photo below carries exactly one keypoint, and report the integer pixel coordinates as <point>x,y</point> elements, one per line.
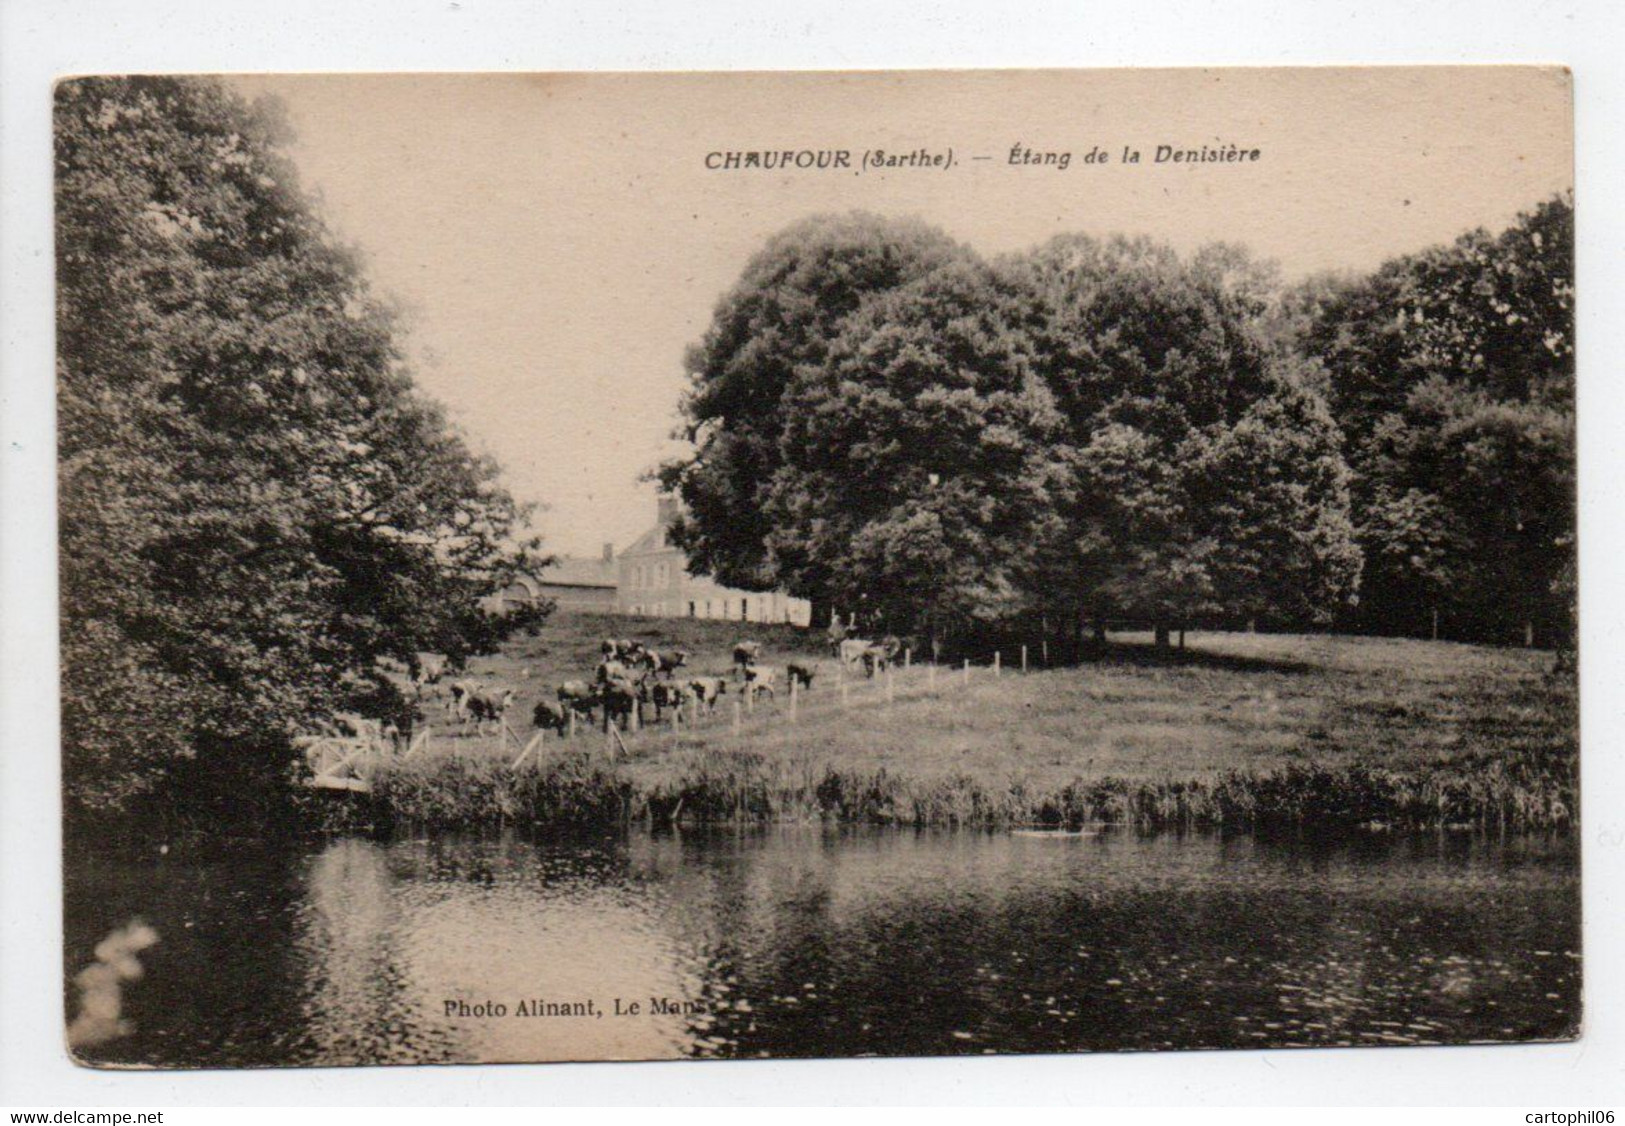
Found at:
<point>808,942</point>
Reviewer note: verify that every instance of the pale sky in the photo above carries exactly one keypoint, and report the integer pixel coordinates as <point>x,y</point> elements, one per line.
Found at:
<point>559,241</point>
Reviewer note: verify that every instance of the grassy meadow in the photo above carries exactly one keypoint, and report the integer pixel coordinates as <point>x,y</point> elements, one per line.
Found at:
<point>1237,729</point>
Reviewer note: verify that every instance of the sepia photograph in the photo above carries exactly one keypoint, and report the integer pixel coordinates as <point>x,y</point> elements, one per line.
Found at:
<point>700,565</point>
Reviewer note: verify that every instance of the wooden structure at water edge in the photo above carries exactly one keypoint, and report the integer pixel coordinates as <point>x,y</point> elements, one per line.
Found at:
<point>338,762</point>
<point>347,763</point>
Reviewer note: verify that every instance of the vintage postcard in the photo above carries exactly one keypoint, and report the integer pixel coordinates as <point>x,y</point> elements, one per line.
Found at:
<point>733,565</point>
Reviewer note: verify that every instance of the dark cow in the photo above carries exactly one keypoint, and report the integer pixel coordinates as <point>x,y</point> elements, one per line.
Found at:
<point>666,663</point>
<point>548,715</point>
<point>488,705</point>
<point>800,675</point>
<point>621,700</point>
<point>708,690</point>
<point>745,654</point>
<point>668,695</point>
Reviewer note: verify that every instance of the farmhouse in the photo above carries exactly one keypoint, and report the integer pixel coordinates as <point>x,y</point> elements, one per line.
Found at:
<point>650,578</point>
<point>654,581</point>
<point>573,582</point>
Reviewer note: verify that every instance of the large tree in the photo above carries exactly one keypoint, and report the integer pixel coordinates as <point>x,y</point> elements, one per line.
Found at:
<point>255,504</point>
<point>1206,475</point>
<point>1097,428</point>
<point>1451,372</point>
<point>779,319</point>
<point>920,459</point>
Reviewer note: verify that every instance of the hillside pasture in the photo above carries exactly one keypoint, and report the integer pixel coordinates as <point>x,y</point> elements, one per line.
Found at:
<point>1475,732</point>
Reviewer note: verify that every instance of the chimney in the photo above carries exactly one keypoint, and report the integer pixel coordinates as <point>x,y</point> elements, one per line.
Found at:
<point>666,511</point>
<point>609,553</point>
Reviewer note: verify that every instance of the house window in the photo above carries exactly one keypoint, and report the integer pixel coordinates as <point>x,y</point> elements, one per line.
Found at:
<point>744,609</point>
<point>691,609</point>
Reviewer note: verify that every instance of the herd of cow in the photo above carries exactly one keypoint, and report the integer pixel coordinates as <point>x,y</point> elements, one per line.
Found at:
<point>631,677</point>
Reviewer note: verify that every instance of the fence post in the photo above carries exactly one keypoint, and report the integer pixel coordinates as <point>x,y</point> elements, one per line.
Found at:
<point>750,698</point>
<point>997,667</point>
<point>908,658</point>
<point>537,738</point>
<point>572,721</point>
<point>1046,652</point>
<point>967,670</point>
<point>636,716</point>
<point>1023,658</point>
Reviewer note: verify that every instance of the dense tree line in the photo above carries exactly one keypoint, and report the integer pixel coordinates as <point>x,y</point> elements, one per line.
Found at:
<point>1104,430</point>
<point>1451,373</point>
<point>256,506</point>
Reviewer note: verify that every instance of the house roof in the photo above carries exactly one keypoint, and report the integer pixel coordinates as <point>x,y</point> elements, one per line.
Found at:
<point>575,570</point>
<point>649,542</point>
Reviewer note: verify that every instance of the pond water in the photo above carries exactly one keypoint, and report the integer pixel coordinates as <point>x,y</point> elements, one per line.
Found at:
<point>809,941</point>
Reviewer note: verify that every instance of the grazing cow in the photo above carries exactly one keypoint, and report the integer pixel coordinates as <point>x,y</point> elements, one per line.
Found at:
<point>666,694</point>
<point>708,690</point>
<point>488,705</point>
<point>745,654</point>
<point>760,681</point>
<point>620,698</point>
<point>607,649</point>
<point>578,696</point>
<point>669,663</point>
<point>852,650</point>
<point>457,702</point>
<point>877,656</point>
<point>547,715</point>
<point>800,674</point>
<point>611,669</point>
<point>427,669</point>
